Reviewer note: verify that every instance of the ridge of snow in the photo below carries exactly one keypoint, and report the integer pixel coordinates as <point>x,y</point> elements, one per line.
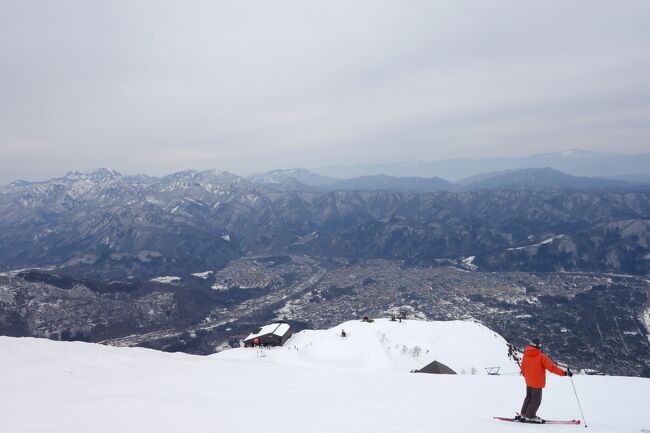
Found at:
<point>390,346</point>
<point>545,241</point>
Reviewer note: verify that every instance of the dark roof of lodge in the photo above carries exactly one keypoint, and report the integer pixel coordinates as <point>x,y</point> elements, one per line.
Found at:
<point>436,367</point>
<point>279,329</point>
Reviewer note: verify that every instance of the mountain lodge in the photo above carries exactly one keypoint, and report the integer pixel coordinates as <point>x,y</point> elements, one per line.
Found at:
<point>275,334</point>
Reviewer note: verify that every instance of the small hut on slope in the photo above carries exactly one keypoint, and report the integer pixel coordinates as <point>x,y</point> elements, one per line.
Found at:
<point>436,367</point>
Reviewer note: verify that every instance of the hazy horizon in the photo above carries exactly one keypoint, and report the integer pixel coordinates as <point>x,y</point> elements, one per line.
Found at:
<point>158,87</point>
<point>340,171</point>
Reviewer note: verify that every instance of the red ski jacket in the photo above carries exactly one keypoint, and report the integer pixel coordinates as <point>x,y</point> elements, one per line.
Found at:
<point>534,366</point>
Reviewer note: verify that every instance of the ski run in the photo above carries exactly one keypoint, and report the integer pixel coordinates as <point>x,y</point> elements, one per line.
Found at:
<point>317,382</point>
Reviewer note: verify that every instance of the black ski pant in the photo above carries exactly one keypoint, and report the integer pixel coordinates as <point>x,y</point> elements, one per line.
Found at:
<point>531,402</point>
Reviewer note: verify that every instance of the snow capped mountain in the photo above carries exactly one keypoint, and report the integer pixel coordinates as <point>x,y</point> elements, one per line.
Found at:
<point>212,181</point>
<point>292,179</point>
<point>97,176</point>
<point>319,382</point>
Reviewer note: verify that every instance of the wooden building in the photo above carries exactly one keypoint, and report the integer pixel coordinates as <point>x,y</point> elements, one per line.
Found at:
<point>275,334</point>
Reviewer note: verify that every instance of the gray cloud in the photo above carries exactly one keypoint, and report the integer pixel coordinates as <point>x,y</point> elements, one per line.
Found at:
<point>247,86</point>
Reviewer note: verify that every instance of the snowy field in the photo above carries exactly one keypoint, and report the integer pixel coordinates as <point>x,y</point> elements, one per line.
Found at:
<point>318,383</point>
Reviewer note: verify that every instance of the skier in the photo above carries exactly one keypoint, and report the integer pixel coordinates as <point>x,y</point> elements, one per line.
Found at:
<point>533,368</point>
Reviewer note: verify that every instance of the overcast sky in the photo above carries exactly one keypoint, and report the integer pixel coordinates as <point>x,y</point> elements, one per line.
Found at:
<point>246,86</point>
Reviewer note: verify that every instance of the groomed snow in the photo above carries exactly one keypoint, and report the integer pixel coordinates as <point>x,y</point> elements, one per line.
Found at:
<point>58,387</point>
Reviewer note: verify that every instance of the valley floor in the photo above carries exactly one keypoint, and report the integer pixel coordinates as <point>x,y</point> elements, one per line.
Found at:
<point>77,387</point>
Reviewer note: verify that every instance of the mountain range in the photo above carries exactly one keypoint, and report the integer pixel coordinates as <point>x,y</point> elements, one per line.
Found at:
<point>530,178</point>
<point>103,221</point>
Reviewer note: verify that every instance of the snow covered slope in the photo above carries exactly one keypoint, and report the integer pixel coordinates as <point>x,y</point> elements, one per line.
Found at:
<point>58,387</point>
<point>387,346</point>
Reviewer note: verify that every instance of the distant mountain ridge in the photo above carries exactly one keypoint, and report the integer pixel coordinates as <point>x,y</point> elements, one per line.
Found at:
<point>383,182</point>
<point>292,179</point>
<point>574,162</point>
<point>540,178</point>
<point>529,178</point>
<point>304,176</point>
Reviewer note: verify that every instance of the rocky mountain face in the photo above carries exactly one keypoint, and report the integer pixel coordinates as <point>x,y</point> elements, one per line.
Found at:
<point>627,250</point>
<point>114,225</point>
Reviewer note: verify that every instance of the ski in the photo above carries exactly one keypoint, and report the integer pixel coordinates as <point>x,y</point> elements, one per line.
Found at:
<point>548,421</point>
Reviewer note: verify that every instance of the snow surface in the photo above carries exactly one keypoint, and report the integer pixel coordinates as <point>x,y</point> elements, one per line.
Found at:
<point>166,279</point>
<point>203,275</point>
<point>469,262</point>
<point>217,286</point>
<point>58,387</point>
<point>544,242</point>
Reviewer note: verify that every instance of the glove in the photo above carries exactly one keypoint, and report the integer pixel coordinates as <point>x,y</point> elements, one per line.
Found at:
<point>569,372</point>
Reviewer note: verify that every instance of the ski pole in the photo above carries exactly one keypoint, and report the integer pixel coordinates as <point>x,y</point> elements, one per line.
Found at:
<point>578,400</point>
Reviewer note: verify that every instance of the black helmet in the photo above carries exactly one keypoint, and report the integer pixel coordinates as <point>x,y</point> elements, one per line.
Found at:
<point>536,342</point>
